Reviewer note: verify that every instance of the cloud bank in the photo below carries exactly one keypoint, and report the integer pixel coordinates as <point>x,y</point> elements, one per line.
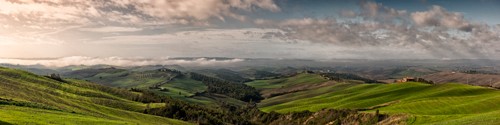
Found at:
<point>119,61</point>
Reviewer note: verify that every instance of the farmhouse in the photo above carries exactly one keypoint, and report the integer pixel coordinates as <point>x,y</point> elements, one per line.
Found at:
<point>407,79</point>
<point>412,79</point>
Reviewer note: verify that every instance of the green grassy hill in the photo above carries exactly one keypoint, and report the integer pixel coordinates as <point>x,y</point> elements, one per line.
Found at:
<point>303,94</point>
<point>26,98</point>
<point>185,86</point>
<point>422,103</point>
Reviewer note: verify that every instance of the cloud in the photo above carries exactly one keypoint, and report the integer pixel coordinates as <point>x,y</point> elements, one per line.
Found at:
<point>31,21</point>
<point>324,31</point>
<point>377,11</point>
<point>118,61</point>
<point>440,17</point>
<point>109,29</point>
<point>388,29</point>
<point>177,27</point>
<point>212,36</point>
<point>128,11</point>
<point>31,13</point>
<point>201,10</point>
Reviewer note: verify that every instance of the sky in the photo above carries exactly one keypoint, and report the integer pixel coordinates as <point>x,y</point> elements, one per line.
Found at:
<point>283,29</point>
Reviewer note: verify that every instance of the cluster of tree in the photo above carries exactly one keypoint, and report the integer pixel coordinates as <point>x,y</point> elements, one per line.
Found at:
<point>250,115</point>
<point>231,89</point>
<point>422,80</point>
<point>346,76</point>
<point>147,96</point>
<point>182,110</point>
<point>169,70</point>
<point>264,74</point>
<point>55,77</point>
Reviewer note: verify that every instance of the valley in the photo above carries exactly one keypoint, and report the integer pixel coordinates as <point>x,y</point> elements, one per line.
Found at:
<point>191,95</point>
<point>249,62</point>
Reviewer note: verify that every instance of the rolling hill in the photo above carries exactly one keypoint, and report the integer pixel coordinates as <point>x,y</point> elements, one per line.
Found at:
<point>188,86</point>
<point>26,98</point>
<point>300,95</point>
<point>420,103</point>
<point>295,83</point>
<point>117,77</point>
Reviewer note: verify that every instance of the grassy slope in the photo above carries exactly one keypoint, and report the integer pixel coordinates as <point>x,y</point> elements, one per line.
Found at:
<point>302,95</point>
<point>436,104</point>
<point>185,86</point>
<point>74,104</point>
<point>284,82</point>
<point>25,115</point>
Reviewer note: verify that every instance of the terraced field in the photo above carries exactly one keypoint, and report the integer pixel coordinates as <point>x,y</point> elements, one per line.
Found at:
<point>26,98</point>
<point>422,103</point>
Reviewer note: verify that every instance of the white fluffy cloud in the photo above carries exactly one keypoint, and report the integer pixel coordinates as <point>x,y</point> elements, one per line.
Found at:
<point>439,17</point>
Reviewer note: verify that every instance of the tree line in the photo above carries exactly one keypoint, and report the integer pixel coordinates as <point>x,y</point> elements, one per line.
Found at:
<point>346,76</point>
